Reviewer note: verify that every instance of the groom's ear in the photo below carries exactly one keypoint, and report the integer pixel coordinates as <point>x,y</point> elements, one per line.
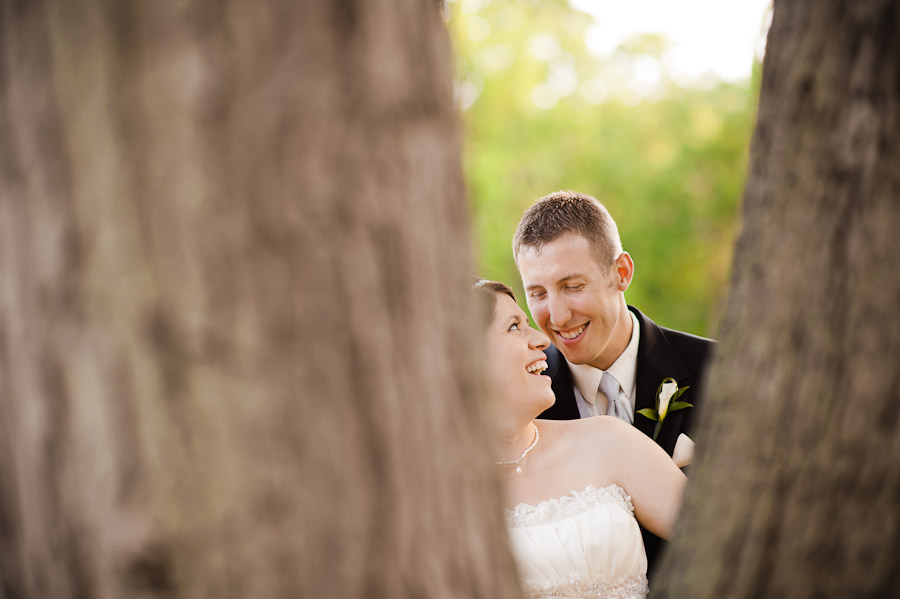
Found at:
<point>624,271</point>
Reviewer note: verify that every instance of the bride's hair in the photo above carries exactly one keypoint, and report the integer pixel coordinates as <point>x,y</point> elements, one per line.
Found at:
<point>494,286</point>
<point>487,297</point>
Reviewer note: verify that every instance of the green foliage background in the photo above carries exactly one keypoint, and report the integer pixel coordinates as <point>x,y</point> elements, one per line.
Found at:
<point>670,168</point>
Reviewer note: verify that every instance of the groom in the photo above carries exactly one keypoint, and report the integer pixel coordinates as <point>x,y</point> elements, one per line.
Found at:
<point>607,357</point>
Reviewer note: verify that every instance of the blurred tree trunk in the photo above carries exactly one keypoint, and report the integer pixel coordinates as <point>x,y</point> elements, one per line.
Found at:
<point>797,482</point>
<point>234,263</point>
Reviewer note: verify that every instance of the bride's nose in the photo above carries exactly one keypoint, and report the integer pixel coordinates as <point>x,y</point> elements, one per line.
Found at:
<point>538,339</point>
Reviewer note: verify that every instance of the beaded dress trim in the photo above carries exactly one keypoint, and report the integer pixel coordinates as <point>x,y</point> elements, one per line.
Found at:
<point>632,587</point>
<point>576,502</point>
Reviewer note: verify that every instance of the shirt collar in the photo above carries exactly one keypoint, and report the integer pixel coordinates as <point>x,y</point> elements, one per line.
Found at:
<point>587,378</point>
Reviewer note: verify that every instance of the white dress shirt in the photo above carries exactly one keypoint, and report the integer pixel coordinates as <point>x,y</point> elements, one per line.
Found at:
<point>591,402</point>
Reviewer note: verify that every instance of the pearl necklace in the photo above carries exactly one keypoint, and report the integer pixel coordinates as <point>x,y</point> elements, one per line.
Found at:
<point>537,437</point>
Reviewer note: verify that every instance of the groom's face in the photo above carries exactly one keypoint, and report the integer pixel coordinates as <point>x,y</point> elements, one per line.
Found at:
<point>575,301</point>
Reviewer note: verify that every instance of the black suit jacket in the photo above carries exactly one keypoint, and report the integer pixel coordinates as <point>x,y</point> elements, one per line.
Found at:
<point>662,353</point>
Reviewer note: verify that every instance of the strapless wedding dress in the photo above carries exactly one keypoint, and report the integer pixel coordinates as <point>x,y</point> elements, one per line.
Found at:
<point>586,544</point>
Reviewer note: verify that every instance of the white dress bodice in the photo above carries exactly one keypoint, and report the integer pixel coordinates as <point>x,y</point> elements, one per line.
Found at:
<point>586,544</point>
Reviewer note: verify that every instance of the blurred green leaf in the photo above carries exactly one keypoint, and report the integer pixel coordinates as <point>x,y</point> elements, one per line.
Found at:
<point>649,413</point>
<point>543,113</point>
<point>679,393</point>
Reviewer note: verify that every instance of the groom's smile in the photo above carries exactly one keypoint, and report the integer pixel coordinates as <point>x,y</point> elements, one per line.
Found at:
<point>571,334</point>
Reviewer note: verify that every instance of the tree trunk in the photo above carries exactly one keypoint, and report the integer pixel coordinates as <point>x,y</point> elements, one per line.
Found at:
<point>234,327</point>
<point>797,482</point>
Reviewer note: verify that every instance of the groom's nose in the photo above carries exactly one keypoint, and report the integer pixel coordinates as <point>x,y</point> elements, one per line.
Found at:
<point>559,311</point>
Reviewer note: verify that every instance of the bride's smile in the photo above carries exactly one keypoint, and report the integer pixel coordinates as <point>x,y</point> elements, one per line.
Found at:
<point>516,357</point>
<point>538,366</point>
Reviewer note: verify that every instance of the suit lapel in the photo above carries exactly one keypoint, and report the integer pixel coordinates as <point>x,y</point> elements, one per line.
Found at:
<point>656,361</point>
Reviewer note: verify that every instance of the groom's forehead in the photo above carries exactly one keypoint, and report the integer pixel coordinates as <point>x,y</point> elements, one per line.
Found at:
<point>573,248</point>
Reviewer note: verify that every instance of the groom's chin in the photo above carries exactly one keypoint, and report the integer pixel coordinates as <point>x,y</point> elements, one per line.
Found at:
<point>568,354</point>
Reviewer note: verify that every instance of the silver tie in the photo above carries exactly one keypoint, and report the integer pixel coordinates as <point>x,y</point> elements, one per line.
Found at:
<point>609,386</point>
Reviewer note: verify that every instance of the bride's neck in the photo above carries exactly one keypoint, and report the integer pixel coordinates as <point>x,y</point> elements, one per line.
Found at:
<point>512,441</point>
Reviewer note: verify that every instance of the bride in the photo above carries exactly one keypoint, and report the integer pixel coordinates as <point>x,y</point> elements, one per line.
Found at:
<point>575,489</point>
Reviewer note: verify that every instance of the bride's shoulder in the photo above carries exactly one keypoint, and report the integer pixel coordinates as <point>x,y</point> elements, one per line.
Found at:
<point>606,424</point>
<point>598,430</point>
<point>596,436</point>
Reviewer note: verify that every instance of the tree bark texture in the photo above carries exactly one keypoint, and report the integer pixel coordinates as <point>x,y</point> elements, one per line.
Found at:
<point>235,346</point>
<point>796,488</point>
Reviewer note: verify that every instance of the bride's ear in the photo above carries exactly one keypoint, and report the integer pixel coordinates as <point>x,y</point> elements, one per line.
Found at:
<point>624,271</point>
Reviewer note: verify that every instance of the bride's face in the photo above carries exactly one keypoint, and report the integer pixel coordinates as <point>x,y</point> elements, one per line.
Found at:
<point>516,357</point>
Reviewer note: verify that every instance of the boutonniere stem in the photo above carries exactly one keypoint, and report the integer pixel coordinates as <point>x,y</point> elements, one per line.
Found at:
<point>667,395</point>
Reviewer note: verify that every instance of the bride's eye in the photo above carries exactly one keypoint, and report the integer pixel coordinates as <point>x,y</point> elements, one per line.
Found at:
<point>513,327</point>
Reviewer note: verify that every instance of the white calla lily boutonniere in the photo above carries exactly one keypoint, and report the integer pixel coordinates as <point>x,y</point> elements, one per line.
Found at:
<point>666,402</point>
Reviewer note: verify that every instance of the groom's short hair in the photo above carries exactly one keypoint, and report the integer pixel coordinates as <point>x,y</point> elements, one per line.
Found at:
<point>563,212</point>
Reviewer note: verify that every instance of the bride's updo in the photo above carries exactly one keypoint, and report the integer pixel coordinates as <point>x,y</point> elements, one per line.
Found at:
<point>487,298</point>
